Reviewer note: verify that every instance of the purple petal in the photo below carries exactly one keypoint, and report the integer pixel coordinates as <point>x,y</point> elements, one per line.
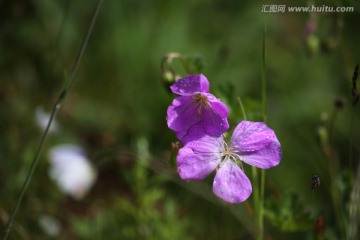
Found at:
<point>267,157</point>
<point>192,134</point>
<point>199,158</point>
<point>256,144</point>
<point>231,184</point>
<point>219,107</point>
<point>197,164</point>
<point>215,117</point>
<point>182,113</point>
<point>190,85</point>
<point>207,144</point>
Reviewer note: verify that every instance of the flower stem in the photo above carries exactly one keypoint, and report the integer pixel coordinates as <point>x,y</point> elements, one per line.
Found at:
<point>242,108</point>
<point>351,138</point>
<point>263,75</point>
<point>261,203</point>
<point>262,171</point>
<point>255,179</point>
<point>255,183</point>
<point>56,107</point>
<point>30,173</point>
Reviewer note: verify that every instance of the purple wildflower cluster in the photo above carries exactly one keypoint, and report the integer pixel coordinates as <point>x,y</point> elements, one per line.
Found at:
<point>199,120</point>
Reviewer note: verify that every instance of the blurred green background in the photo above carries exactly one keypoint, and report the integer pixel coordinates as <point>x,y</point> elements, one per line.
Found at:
<point>117,108</point>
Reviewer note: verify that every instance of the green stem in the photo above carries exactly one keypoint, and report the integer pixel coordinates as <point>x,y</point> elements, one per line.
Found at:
<point>337,204</point>
<point>261,203</point>
<point>242,108</point>
<point>257,211</point>
<point>56,107</point>
<point>262,171</point>
<point>351,138</point>
<point>256,193</point>
<point>255,183</point>
<point>83,47</point>
<point>30,173</point>
<point>313,202</point>
<point>263,75</point>
<point>332,124</point>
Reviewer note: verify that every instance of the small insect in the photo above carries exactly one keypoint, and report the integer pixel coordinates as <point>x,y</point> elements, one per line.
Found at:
<point>315,181</point>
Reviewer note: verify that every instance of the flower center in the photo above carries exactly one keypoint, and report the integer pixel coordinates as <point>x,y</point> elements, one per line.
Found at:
<point>229,153</point>
<point>201,101</point>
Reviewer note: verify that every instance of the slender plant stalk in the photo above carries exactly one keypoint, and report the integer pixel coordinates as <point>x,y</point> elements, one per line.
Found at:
<point>313,202</point>
<point>30,173</point>
<point>355,98</point>
<point>332,124</point>
<point>351,138</point>
<point>256,194</point>
<point>262,171</point>
<point>56,107</point>
<point>247,204</point>
<point>242,108</point>
<point>55,45</point>
<point>263,75</point>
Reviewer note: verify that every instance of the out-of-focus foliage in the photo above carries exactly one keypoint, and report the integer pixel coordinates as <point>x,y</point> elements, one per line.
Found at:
<point>116,112</point>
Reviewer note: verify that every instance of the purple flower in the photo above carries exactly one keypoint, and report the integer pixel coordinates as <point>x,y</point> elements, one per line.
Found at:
<point>252,142</point>
<point>196,107</point>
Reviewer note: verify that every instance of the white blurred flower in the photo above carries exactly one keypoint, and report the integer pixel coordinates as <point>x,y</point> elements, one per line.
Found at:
<point>71,170</point>
<point>50,225</point>
<point>42,120</point>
